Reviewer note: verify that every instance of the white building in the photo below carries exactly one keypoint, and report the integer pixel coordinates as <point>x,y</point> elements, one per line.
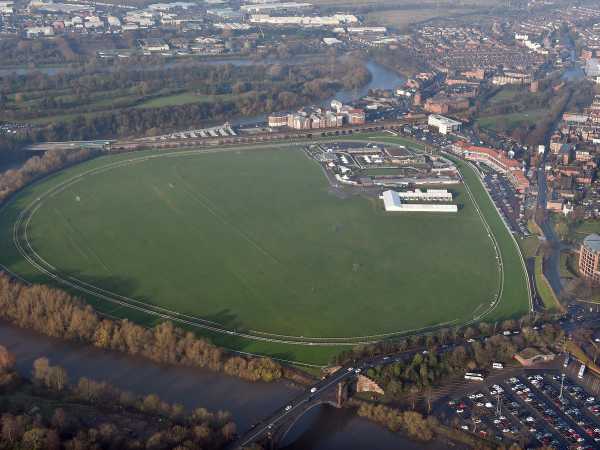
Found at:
<point>39,31</point>
<point>512,78</point>
<point>170,6</point>
<point>6,8</point>
<point>337,105</point>
<point>269,7</point>
<point>443,124</point>
<point>393,203</point>
<point>404,92</point>
<point>334,20</point>
<point>331,41</point>
<point>592,68</point>
<point>430,195</point>
<point>364,30</point>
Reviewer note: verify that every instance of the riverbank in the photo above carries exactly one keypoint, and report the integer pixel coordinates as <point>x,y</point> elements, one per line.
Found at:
<point>191,387</point>
<point>324,429</point>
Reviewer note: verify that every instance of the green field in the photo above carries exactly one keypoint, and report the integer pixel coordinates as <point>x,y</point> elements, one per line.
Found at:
<point>254,242</point>
<point>578,231</point>
<point>508,94</point>
<point>184,98</point>
<point>501,121</point>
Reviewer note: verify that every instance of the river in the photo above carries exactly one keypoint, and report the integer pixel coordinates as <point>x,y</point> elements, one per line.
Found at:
<point>326,428</point>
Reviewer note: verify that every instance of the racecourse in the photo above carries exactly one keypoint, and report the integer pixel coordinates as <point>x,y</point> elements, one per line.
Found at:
<point>253,249</point>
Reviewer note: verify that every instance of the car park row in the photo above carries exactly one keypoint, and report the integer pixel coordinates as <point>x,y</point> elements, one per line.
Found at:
<point>532,409</point>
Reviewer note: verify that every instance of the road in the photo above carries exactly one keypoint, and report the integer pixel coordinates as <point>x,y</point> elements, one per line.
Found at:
<point>551,267</point>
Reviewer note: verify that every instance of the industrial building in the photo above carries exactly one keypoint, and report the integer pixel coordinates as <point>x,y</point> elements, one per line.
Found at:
<point>589,258</point>
<point>393,203</point>
<point>443,124</point>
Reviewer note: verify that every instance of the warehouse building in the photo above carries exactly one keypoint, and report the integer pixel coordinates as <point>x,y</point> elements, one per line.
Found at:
<point>393,203</point>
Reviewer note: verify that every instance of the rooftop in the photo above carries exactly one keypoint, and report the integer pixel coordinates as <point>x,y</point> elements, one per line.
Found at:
<point>445,120</point>
<point>592,242</point>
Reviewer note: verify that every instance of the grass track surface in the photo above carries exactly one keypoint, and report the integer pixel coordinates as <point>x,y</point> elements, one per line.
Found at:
<point>254,241</point>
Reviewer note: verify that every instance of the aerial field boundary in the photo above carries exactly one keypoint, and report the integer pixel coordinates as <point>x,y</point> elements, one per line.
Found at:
<point>23,244</point>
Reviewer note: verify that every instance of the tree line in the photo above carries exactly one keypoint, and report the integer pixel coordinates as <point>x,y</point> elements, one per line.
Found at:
<point>421,428</point>
<point>111,103</point>
<point>204,78</point>
<point>46,412</point>
<point>14,179</point>
<point>413,423</point>
<point>554,97</point>
<point>15,51</point>
<point>56,313</point>
<point>473,348</point>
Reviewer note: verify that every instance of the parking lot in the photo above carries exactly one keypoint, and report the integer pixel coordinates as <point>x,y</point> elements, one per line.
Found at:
<point>531,408</point>
<point>507,201</point>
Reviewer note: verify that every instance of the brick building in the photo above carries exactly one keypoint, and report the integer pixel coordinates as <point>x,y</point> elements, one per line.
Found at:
<point>589,258</point>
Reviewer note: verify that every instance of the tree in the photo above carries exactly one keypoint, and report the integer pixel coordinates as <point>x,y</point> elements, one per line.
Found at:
<point>11,429</point>
<point>35,439</point>
<point>59,419</point>
<point>57,378</point>
<point>413,394</point>
<point>416,426</point>
<point>7,359</point>
<point>52,440</point>
<point>151,403</point>
<point>53,377</point>
<point>41,367</point>
<point>429,395</point>
<point>228,430</point>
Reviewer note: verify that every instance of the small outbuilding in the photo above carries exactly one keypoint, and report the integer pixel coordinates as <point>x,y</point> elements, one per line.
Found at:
<point>531,356</point>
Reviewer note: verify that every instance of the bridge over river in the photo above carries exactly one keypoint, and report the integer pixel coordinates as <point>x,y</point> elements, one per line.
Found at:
<point>333,390</point>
